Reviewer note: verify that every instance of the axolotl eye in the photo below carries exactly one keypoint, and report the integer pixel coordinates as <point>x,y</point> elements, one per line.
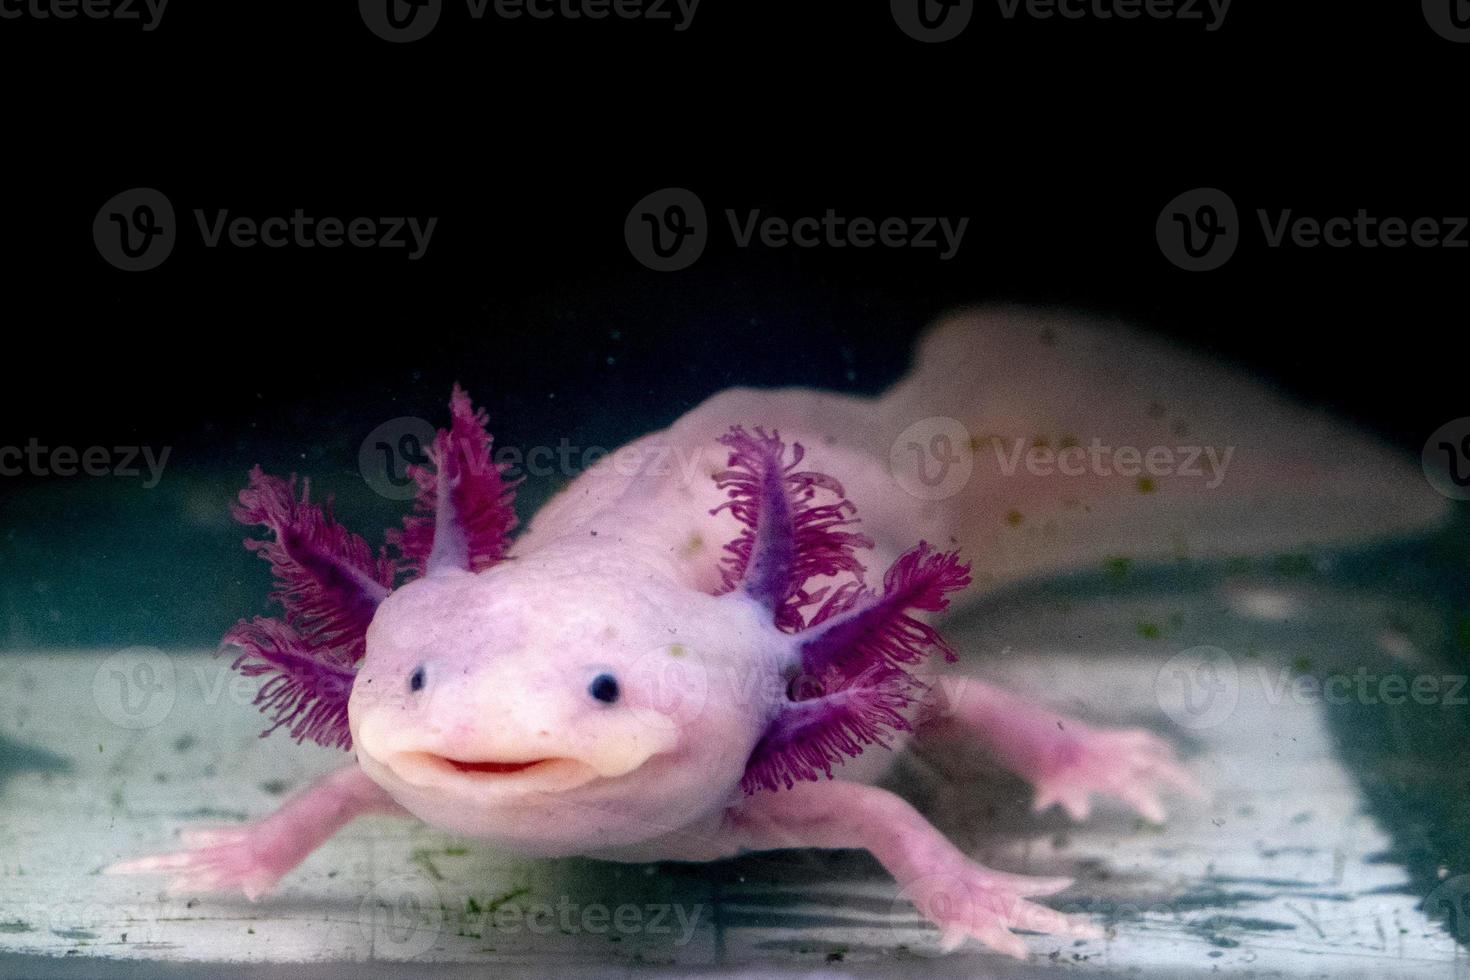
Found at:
<point>604,687</point>
<point>416,679</point>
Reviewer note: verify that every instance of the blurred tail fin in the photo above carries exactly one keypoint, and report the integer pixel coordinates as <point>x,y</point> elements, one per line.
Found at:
<point>1039,443</point>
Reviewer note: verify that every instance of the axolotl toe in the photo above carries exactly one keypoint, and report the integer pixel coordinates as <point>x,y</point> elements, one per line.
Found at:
<point>682,658</point>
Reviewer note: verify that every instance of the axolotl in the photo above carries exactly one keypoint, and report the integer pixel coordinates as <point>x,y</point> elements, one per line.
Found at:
<point>691,652</point>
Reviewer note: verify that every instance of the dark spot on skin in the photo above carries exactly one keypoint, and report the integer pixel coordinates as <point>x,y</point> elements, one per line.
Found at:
<point>416,679</point>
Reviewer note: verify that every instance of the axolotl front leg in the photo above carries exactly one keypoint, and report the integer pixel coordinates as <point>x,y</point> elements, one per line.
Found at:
<point>965,899</point>
<point>252,858</point>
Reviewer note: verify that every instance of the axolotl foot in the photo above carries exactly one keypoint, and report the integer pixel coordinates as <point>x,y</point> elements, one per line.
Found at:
<point>965,899</point>
<point>970,901</point>
<point>1131,765</point>
<point>236,859</point>
<point>250,859</point>
<point>1066,761</point>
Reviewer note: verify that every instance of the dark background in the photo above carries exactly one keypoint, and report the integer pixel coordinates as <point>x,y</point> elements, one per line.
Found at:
<point>530,141</point>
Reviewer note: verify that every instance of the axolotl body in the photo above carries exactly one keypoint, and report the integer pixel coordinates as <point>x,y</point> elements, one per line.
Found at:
<point>691,641</point>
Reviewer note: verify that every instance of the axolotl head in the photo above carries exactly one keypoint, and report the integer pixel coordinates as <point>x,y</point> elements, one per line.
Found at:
<point>557,706</point>
<point>570,699</point>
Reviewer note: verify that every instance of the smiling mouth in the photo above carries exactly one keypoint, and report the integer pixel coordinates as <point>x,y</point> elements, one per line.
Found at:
<point>549,772</point>
<point>494,767</point>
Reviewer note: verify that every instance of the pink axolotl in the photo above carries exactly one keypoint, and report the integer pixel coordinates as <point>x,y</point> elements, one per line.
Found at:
<point>694,638</point>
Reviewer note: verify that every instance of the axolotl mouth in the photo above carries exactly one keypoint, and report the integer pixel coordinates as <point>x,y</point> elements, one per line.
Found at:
<point>463,766</point>
<point>551,772</point>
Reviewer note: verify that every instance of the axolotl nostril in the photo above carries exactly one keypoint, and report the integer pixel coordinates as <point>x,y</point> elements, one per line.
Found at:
<point>699,633</point>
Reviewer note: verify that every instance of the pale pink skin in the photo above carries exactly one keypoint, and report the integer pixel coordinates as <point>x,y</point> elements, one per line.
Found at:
<point>615,575</point>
